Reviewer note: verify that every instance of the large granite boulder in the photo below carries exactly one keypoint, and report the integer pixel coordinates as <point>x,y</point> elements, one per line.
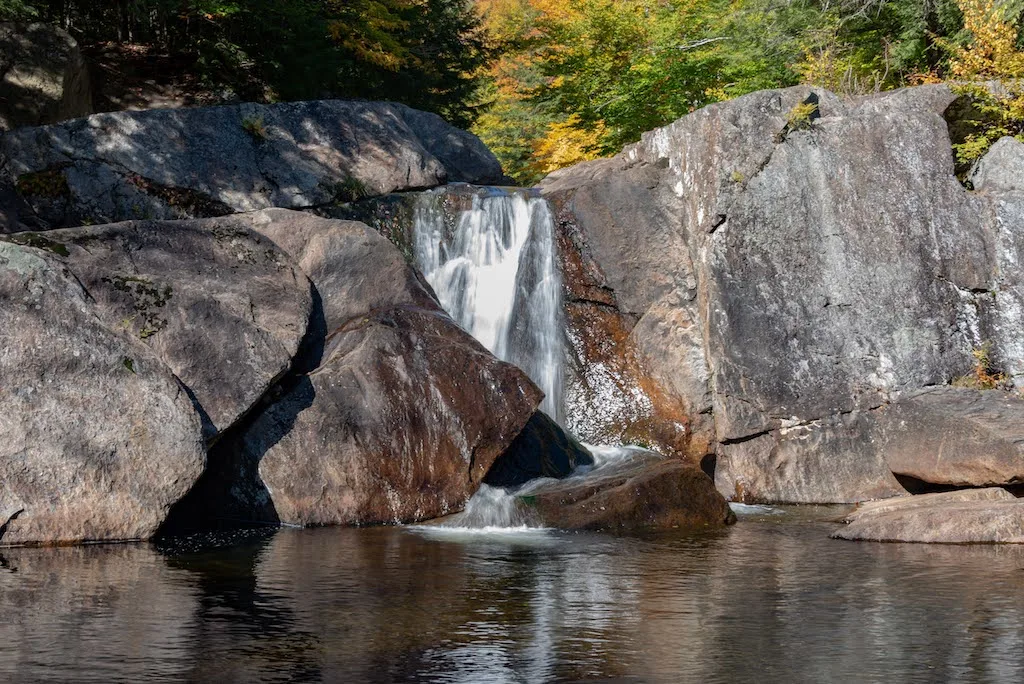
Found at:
<point>953,436</point>
<point>643,494</point>
<point>979,516</point>
<point>393,413</point>
<point>800,273</point>
<point>97,437</point>
<point>221,305</point>
<point>202,162</point>
<point>43,77</point>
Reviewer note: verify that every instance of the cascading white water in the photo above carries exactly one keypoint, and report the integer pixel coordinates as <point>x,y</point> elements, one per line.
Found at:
<point>495,274</point>
<point>490,256</point>
<point>493,509</point>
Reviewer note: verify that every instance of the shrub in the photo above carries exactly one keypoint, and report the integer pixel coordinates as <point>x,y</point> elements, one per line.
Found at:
<point>988,111</point>
<point>984,376</point>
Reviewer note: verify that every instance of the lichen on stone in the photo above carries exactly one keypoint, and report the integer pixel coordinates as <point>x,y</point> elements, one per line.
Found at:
<point>39,242</point>
<point>147,298</point>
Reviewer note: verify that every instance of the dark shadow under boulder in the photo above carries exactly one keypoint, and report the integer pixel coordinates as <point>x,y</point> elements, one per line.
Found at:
<point>542,449</point>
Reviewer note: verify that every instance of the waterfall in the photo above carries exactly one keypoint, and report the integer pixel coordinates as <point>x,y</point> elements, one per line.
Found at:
<point>493,509</point>
<point>489,254</point>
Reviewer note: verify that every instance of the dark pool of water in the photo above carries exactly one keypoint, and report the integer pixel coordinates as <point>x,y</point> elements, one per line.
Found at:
<point>770,600</point>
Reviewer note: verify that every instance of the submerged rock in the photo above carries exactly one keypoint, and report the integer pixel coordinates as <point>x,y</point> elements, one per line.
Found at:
<point>97,437</point>
<point>646,494</point>
<point>202,162</point>
<point>960,517</point>
<point>393,413</point>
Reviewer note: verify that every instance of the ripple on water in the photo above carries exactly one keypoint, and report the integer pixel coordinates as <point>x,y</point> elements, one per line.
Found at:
<point>770,599</point>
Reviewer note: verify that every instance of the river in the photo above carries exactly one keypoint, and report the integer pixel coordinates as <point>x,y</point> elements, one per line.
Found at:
<point>770,599</point>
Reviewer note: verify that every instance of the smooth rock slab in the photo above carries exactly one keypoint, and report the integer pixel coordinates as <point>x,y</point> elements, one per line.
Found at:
<point>824,462</point>
<point>954,436</point>
<point>947,518</point>
<point>911,503</point>
<point>221,305</point>
<point>211,161</point>
<point>97,437</point>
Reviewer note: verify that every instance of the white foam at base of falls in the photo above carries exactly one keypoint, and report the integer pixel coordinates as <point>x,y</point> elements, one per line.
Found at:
<point>493,510</point>
<point>752,509</point>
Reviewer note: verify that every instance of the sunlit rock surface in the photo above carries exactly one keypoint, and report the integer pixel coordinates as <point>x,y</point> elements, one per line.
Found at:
<point>775,282</point>
<point>954,436</point>
<point>202,162</point>
<point>97,437</point>
<point>220,304</point>
<point>980,516</point>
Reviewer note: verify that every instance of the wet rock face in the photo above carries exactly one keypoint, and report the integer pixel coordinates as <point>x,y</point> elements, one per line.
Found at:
<point>542,449</point>
<point>649,494</point>
<point>621,385</point>
<point>392,413</point>
<point>984,516</point>
<point>97,437</point>
<point>43,77</point>
<point>204,162</point>
<point>797,276</point>
<point>221,305</point>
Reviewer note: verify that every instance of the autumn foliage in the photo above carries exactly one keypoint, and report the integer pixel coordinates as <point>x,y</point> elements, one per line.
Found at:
<point>549,83</point>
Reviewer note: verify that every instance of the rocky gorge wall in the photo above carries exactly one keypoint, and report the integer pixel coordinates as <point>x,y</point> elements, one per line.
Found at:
<point>199,359</point>
<point>803,292</point>
<point>796,304</point>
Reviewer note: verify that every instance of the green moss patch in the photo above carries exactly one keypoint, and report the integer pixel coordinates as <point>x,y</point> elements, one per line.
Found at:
<point>47,184</point>
<point>39,242</point>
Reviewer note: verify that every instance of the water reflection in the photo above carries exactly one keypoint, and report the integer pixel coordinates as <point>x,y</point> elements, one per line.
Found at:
<point>771,600</point>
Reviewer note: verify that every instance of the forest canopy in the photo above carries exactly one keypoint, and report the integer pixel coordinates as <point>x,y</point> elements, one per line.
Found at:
<point>426,53</point>
<point>547,83</point>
